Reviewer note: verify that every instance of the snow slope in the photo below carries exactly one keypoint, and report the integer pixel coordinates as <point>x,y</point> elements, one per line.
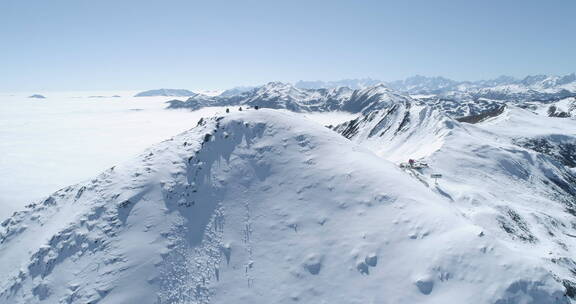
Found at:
<point>510,175</point>
<point>261,207</point>
<point>70,136</point>
<point>400,130</point>
<point>563,108</point>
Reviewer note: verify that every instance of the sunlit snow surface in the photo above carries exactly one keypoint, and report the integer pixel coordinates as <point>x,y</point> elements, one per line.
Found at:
<point>267,207</point>
<point>47,144</point>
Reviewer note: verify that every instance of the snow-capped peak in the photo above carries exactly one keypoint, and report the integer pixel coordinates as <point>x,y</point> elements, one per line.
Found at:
<point>373,98</point>
<point>265,207</point>
<point>281,90</point>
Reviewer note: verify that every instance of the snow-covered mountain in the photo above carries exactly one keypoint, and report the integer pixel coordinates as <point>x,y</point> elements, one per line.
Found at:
<point>545,82</point>
<point>405,130</point>
<point>268,207</point>
<point>456,99</point>
<point>278,95</point>
<point>504,84</point>
<point>236,91</point>
<point>459,99</point>
<point>166,92</point>
<point>372,98</point>
<point>349,83</point>
<point>460,106</point>
<point>436,84</point>
<point>274,95</point>
<point>541,88</point>
<point>422,84</point>
<point>511,174</point>
<point>563,108</point>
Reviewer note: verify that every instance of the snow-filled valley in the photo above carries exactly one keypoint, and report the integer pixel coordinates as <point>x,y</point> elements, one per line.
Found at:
<point>272,206</point>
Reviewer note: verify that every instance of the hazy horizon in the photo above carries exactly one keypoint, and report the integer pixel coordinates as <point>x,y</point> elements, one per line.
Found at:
<point>214,89</point>
<point>117,45</point>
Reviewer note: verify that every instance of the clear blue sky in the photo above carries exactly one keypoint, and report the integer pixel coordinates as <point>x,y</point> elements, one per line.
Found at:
<point>141,44</point>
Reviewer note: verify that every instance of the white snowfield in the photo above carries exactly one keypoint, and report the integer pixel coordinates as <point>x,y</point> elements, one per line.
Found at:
<point>492,173</point>
<point>266,206</point>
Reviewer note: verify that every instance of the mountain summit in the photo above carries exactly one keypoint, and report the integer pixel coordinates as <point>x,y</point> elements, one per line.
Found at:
<point>260,207</point>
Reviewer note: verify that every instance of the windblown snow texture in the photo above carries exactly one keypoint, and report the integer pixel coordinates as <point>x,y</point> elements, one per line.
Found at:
<point>511,174</point>
<point>268,207</point>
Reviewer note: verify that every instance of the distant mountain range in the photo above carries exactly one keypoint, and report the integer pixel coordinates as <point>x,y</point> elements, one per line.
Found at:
<point>166,92</point>
<point>350,83</point>
<point>264,206</point>
<point>439,85</point>
<point>270,207</point>
<point>457,99</point>
<point>278,95</point>
<point>503,87</point>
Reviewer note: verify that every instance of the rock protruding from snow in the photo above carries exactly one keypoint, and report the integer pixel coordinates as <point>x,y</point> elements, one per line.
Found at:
<point>373,98</point>
<point>400,130</point>
<point>37,96</point>
<point>482,116</point>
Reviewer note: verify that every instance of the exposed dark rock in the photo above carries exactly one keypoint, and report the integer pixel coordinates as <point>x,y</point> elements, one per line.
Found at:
<point>482,116</point>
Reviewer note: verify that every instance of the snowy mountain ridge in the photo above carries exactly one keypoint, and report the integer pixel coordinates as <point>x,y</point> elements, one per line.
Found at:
<point>463,98</point>
<point>349,83</point>
<point>457,99</point>
<point>268,207</point>
<point>419,84</point>
<point>512,174</point>
<point>278,95</point>
<point>275,95</point>
<point>406,123</point>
